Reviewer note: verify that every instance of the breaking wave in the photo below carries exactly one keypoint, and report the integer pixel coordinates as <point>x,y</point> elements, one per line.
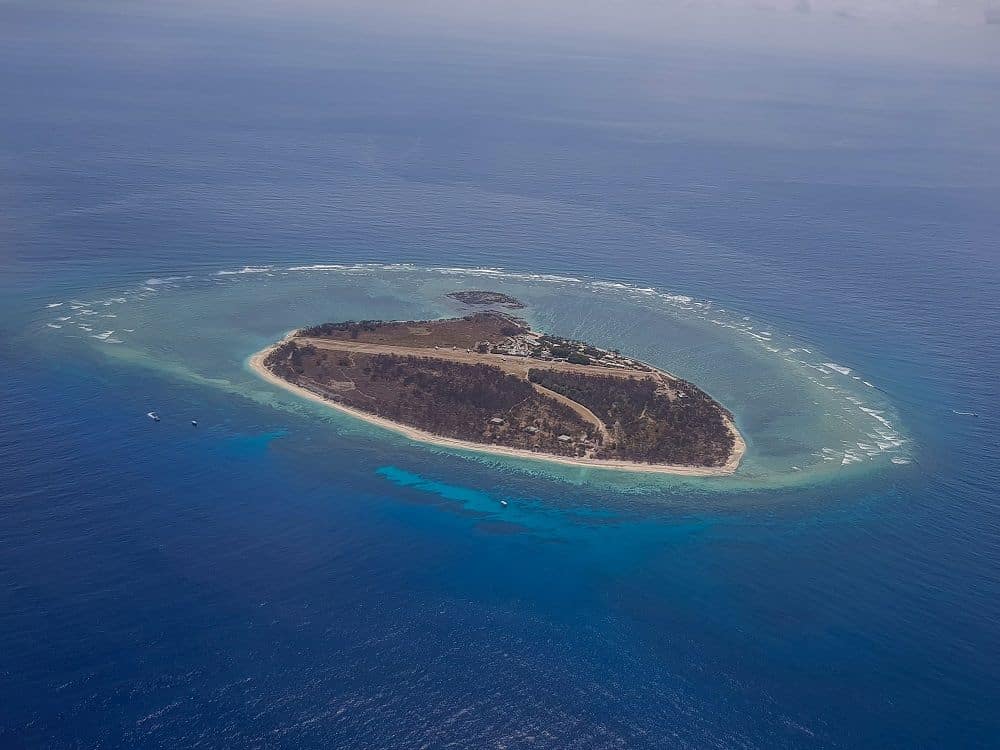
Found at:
<point>882,438</point>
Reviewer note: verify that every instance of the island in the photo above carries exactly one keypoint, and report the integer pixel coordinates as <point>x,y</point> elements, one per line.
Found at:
<point>479,297</point>
<point>488,382</point>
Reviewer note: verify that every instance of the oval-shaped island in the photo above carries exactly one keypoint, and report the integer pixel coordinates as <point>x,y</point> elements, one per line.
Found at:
<point>488,382</point>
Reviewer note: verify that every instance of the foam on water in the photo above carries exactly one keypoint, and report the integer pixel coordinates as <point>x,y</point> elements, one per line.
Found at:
<point>864,432</point>
<point>838,368</point>
<point>244,270</point>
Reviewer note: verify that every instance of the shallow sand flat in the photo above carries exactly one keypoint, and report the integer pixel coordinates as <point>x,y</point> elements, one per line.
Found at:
<point>256,364</point>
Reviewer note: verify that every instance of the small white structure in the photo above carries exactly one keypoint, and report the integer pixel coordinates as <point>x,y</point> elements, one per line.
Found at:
<point>496,420</point>
<point>564,438</point>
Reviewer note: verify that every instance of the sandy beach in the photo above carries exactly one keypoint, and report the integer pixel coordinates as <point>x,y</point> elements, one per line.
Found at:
<point>256,363</point>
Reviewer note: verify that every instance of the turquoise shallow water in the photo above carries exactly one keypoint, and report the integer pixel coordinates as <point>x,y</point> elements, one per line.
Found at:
<point>283,576</point>
<point>805,417</point>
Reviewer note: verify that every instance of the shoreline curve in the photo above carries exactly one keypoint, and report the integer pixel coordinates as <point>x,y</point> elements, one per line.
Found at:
<point>256,364</point>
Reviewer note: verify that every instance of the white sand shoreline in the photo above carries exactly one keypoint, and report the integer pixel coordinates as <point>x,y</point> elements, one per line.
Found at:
<point>256,364</point>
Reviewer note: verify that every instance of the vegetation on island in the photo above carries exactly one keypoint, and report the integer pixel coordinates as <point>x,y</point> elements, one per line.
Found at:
<point>454,332</point>
<point>479,297</point>
<point>488,378</point>
<point>484,332</point>
<point>475,402</point>
<point>646,420</point>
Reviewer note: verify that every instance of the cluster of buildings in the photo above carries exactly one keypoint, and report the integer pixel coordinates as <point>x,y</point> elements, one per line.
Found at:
<point>522,345</point>
<point>549,349</point>
<point>532,430</point>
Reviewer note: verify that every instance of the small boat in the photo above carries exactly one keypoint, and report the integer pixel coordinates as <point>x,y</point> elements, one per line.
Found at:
<point>194,422</point>
<point>503,503</point>
<point>153,415</point>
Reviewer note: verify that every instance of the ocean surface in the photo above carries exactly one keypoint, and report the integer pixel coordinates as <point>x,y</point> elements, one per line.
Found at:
<point>817,244</point>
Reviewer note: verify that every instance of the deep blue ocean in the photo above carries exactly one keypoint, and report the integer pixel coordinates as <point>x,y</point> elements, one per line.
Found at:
<point>279,578</point>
